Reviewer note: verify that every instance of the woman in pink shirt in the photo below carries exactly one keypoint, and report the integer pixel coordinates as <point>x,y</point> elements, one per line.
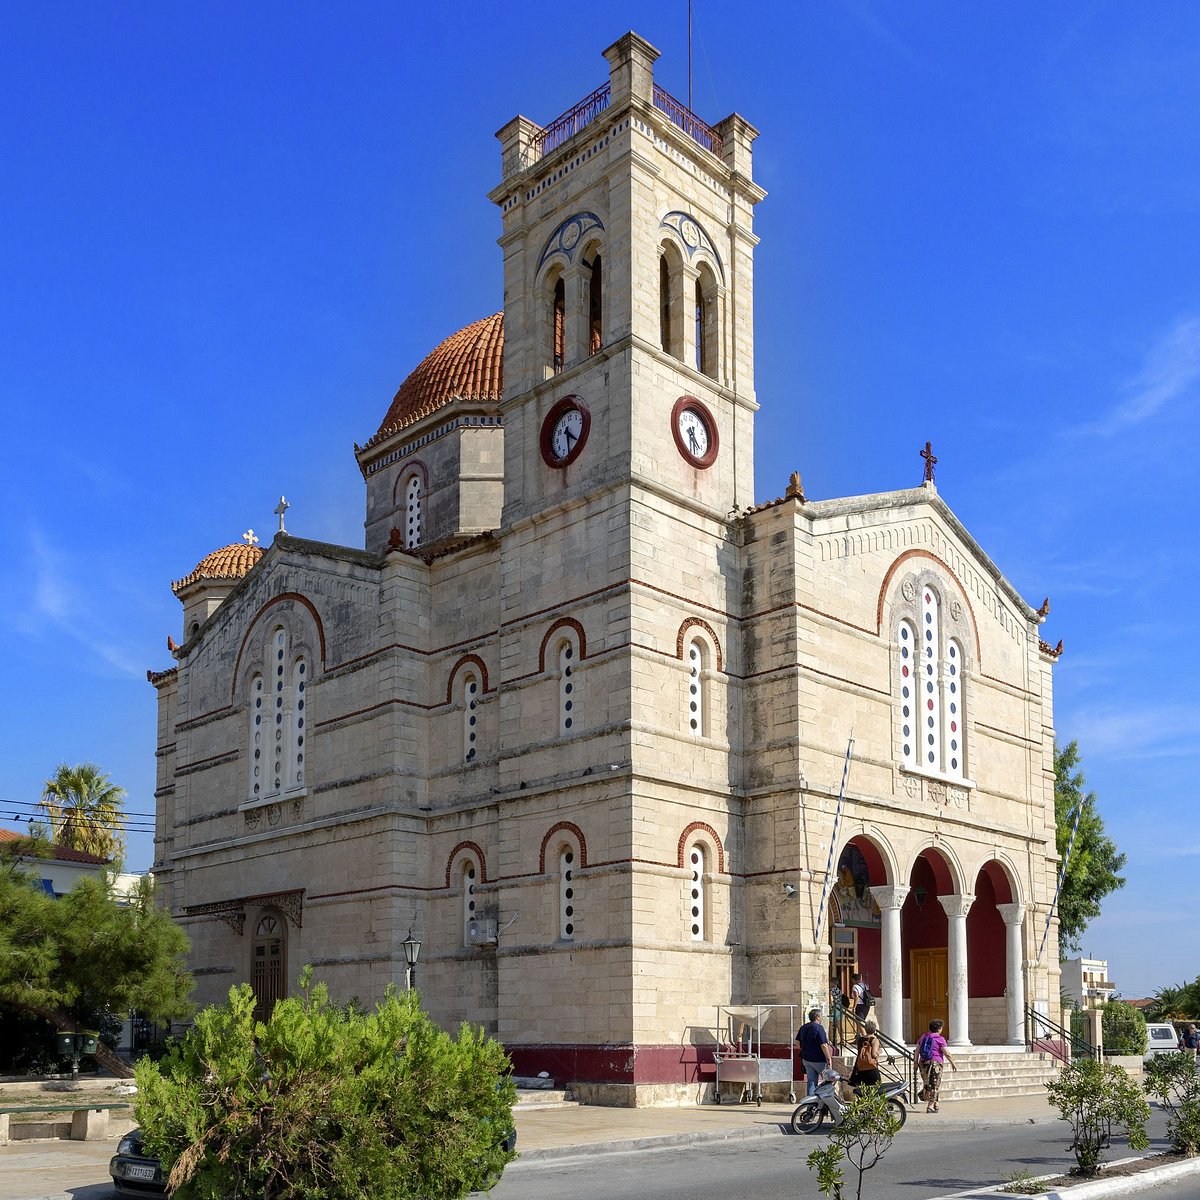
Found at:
<point>932,1055</point>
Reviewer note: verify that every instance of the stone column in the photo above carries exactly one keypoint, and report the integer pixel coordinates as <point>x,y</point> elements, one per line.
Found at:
<point>957,908</point>
<point>891,985</point>
<point>1014,979</point>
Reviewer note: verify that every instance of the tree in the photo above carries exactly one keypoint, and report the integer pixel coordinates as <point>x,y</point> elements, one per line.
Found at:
<point>84,810</point>
<point>1172,1080</point>
<point>90,952</point>
<point>1124,1028</point>
<point>1095,1097</point>
<point>1092,872</point>
<point>862,1137</point>
<point>1180,1003</point>
<point>327,1101</point>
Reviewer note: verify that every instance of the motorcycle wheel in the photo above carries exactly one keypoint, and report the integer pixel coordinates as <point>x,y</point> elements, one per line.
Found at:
<point>808,1118</point>
<point>898,1110</point>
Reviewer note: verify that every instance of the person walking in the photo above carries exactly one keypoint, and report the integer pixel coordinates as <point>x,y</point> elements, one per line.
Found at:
<point>837,1009</point>
<point>932,1055</point>
<point>866,1061</point>
<point>860,997</point>
<point>1190,1039</point>
<point>815,1051</point>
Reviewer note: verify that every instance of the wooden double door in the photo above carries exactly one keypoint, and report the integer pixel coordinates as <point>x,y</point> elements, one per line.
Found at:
<point>929,989</point>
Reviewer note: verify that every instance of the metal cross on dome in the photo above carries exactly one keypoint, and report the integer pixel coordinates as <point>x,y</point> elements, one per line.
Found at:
<point>250,537</point>
<point>279,510</point>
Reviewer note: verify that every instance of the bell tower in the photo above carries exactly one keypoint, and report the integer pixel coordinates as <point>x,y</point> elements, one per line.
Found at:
<point>628,297</point>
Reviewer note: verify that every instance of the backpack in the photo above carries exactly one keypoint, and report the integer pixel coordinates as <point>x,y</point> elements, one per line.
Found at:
<point>925,1048</point>
<point>868,1056</point>
<point>867,998</point>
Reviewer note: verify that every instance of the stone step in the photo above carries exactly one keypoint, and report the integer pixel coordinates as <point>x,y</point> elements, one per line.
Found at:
<point>544,1097</point>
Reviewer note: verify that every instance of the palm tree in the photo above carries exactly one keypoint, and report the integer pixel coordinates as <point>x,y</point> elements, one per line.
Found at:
<point>83,807</point>
<point>1174,1003</point>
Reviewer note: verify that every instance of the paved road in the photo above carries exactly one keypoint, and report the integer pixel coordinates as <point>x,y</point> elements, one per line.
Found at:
<point>917,1167</point>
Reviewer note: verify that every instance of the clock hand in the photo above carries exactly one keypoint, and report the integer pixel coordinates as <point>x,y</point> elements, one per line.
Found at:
<point>570,437</point>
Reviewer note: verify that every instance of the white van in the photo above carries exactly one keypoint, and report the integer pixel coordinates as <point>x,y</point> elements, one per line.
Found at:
<point>1160,1039</point>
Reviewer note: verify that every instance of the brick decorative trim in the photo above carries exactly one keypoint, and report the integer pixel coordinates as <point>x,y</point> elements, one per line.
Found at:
<point>562,623</point>
<point>476,850</point>
<point>686,836</point>
<point>563,827</point>
<point>413,465</point>
<point>473,660</point>
<point>907,556</point>
<point>303,600</point>
<point>697,623</point>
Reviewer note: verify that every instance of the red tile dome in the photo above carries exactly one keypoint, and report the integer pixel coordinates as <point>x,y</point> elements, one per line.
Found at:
<point>230,562</point>
<point>468,365</point>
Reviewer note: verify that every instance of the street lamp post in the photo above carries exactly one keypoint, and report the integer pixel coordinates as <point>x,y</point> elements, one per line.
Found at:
<point>412,949</point>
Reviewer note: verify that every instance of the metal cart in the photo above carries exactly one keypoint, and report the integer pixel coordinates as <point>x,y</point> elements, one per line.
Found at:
<point>740,1055</point>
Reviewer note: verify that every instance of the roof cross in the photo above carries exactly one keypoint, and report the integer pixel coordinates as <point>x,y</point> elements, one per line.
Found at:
<point>249,537</point>
<point>279,510</point>
<point>930,460</point>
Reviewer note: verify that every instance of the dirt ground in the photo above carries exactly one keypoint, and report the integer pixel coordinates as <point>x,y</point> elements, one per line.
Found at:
<point>90,1092</point>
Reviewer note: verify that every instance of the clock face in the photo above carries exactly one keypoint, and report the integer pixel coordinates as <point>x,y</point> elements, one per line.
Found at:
<point>565,431</point>
<point>695,431</point>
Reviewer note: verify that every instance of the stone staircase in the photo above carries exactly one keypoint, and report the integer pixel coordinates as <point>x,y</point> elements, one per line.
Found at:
<point>538,1092</point>
<point>985,1072</point>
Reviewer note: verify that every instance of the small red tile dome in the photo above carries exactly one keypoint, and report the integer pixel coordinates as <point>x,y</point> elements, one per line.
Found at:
<point>230,562</point>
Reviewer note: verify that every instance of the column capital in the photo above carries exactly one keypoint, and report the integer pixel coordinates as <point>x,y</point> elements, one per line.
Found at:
<point>1013,914</point>
<point>890,895</point>
<point>957,906</point>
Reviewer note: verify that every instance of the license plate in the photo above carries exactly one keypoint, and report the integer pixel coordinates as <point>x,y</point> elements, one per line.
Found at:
<point>134,1171</point>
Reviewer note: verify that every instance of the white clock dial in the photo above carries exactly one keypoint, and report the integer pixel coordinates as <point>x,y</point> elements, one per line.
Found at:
<point>566,433</point>
<point>693,432</point>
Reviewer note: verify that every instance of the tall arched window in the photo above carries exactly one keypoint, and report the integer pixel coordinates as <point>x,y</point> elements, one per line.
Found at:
<point>470,709</point>
<point>268,964</point>
<point>299,692</point>
<point>698,923</point>
<point>706,322</point>
<point>566,893</point>
<point>697,665</point>
<point>558,335</point>
<point>930,688</point>
<point>278,721</point>
<point>258,740</point>
<point>595,306</point>
<point>567,695</point>
<point>468,879</point>
<point>664,304</point>
<point>412,510</point>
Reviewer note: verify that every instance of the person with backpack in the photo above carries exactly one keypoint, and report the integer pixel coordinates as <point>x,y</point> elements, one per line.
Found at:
<point>815,1051</point>
<point>932,1055</point>
<point>866,1062</point>
<point>860,997</point>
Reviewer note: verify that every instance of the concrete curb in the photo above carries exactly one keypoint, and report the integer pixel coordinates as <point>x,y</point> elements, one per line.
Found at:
<point>1121,1185</point>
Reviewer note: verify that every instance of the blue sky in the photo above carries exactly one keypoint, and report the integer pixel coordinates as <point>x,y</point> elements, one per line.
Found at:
<point>228,232</point>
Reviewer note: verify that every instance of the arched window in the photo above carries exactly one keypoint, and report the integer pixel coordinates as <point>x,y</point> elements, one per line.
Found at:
<point>257,738</point>
<point>278,721</point>
<point>930,688</point>
<point>664,305</point>
<point>566,893</point>
<point>412,511</point>
<point>268,965</point>
<point>468,879</point>
<point>706,323</point>
<point>559,325</point>
<point>697,665</point>
<point>595,307</point>
<point>470,706</point>
<point>698,923</point>
<point>567,696</point>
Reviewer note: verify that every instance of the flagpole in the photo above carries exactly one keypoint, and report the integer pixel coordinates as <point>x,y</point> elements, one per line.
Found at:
<point>837,820</point>
<point>1061,876</point>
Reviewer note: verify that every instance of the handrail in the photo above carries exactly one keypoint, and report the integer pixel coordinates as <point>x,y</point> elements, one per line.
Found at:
<point>1040,1028</point>
<point>571,122</point>
<point>681,115</point>
<point>906,1071</point>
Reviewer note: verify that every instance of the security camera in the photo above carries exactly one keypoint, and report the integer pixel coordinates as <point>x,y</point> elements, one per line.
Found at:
<point>788,890</point>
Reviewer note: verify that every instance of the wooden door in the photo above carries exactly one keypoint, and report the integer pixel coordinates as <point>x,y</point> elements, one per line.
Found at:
<point>929,989</point>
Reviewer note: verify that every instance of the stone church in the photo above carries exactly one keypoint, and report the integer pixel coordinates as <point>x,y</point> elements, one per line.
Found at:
<point>576,715</point>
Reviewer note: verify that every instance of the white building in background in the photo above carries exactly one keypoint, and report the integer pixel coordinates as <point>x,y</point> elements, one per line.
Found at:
<point>1086,983</point>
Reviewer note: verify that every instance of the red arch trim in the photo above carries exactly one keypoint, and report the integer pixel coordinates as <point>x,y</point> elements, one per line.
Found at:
<point>563,827</point>
<point>567,623</point>
<point>476,850</point>
<point>407,468</point>
<point>475,661</point>
<point>885,587</point>
<point>686,836</point>
<point>693,623</point>
<point>316,616</point>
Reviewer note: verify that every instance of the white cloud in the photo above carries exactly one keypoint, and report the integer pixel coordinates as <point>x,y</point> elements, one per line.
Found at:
<point>1150,733</point>
<point>1170,370</point>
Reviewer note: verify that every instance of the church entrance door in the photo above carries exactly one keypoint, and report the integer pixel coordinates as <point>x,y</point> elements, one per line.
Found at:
<point>929,990</point>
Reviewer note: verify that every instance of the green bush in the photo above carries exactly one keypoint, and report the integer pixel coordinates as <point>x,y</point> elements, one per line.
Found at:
<point>1124,1028</point>
<point>1096,1097</point>
<point>322,1102</point>
<point>1172,1080</point>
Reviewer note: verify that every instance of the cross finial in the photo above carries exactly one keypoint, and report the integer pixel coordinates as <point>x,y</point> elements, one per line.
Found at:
<point>279,510</point>
<point>250,537</point>
<point>930,460</point>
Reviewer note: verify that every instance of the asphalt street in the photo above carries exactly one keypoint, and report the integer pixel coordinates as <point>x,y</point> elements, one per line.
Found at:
<point>917,1167</point>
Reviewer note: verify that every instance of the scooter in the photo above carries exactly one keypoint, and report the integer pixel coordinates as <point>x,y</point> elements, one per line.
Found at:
<point>825,1103</point>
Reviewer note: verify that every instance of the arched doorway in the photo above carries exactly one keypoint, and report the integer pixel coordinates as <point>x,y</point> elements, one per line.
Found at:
<point>854,918</point>
<point>268,964</point>
<point>996,958</point>
<point>924,932</point>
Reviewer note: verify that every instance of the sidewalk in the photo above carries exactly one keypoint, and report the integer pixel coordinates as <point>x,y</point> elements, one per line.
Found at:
<point>59,1170</point>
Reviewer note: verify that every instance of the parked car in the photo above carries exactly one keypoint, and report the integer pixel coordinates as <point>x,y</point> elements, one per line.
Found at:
<point>1160,1039</point>
<point>133,1171</point>
<point>135,1174</point>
